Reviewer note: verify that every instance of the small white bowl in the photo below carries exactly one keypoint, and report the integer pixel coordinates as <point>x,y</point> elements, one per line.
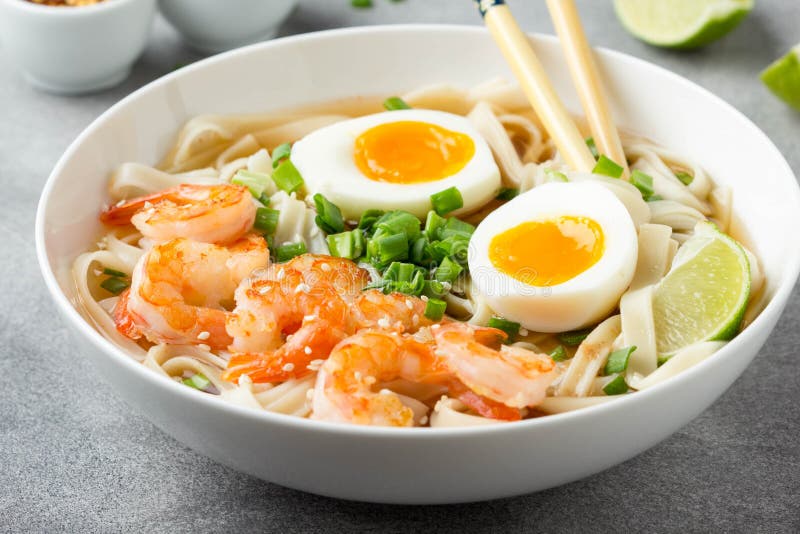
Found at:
<point>73,50</point>
<point>417,465</point>
<point>214,26</point>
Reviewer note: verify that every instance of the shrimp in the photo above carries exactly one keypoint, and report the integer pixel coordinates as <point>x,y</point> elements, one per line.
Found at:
<point>344,389</point>
<point>291,315</point>
<point>513,376</point>
<point>208,213</point>
<point>396,311</point>
<point>179,288</point>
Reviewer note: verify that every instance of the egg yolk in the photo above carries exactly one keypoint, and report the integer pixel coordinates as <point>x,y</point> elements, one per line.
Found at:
<point>548,253</point>
<point>407,152</point>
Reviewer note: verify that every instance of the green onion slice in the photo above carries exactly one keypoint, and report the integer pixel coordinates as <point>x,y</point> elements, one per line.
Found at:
<point>197,381</point>
<point>434,309</point>
<point>592,147</point>
<point>280,153</point>
<point>643,182</point>
<point>394,103</point>
<point>684,177</point>
<point>446,201</point>
<point>114,272</point>
<point>256,182</point>
<point>115,285</point>
<point>607,167</point>
<point>509,327</point>
<point>507,193</point>
<point>368,219</point>
<point>618,360</point>
<point>447,271</point>
<point>558,354</point>
<point>287,177</point>
<point>329,216</point>
<point>575,337</point>
<point>618,386</point>
<point>266,220</point>
<point>290,250</point>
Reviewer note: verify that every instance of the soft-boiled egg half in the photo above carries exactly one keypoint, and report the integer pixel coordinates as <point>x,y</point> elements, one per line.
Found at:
<point>397,160</point>
<point>555,258</point>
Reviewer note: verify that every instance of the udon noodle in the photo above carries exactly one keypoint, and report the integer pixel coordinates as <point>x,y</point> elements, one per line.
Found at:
<point>211,149</point>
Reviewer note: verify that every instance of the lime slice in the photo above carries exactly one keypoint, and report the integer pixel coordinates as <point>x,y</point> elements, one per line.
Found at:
<point>704,295</point>
<point>783,77</point>
<point>681,23</point>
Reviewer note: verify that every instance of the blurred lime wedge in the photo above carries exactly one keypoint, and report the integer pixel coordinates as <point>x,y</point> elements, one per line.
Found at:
<point>783,77</point>
<point>704,295</point>
<point>681,23</point>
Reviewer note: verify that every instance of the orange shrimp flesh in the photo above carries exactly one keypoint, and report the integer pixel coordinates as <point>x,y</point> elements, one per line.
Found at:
<point>209,213</point>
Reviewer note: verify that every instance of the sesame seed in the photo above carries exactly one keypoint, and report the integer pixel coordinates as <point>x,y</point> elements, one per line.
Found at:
<point>352,222</point>
<point>289,337</point>
<point>288,367</point>
<point>423,420</point>
<point>302,287</point>
<point>309,318</point>
<point>383,322</point>
<point>385,392</point>
<point>523,332</point>
<point>325,267</point>
<point>265,289</point>
<point>97,272</point>
<point>357,375</point>
<point>148,205</point>
<point>121,203</point>
<point>415,319</point>
<point>424,298</point>
<point>203,335</point>
<point>370,380</point>
<point>203,346</point>
<point>281,275</point>
<point>317,362</point>
<point>435,326</point>
<point>307,350</point>
<point>409,304</point>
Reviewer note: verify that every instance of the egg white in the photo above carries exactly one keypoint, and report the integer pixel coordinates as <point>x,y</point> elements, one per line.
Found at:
<point>580,301</point>
<point>325,159</point>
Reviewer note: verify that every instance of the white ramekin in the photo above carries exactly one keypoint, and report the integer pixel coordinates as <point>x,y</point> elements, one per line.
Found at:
<point>75,50</point>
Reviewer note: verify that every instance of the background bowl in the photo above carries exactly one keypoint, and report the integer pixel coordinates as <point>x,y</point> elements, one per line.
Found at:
<point>75,49</point>
<point>417,465</point>
<point>214,26</point>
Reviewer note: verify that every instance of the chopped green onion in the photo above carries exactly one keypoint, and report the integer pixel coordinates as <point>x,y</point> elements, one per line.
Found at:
<point>419,251</point>
<point>446,201</point>
<point>388,248</point>
<point>607,167</point>
<point>114,272</point>
<point>280,153</point>
<point>575,337</point>
<point>361,3</point>
<point>558,354</point>
<point>289,251</point>
<point>266,220</point>
<point>643,182</point>
<point>403,278</point>
<point>256,182</point>
<point>509,327</point>
<point>395,222</point>
<point>434,309</point>
<point>555,176</point>
<point>368,219</point>
<point>592,147</point>
<point>433,225</point>
<point>264,199</point>
<point>399,271</point>
<point>616,386</point>
<point>434,289</point>
<point>455,247</point>
<point>394,103</point>
<point>348,245</point>
<point>447,271</point>
<point>197,381</point>
<point>618,360</point>
<point>115,285</point>
<point>653,198</point>
<point>329,216</point>
<point>507,193</point>
<point>457,228</point>
<point>287,177</point>
<point>684,177</point>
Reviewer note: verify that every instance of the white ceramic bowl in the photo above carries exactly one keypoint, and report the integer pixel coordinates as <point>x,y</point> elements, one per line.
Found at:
<point>416,465</point>
<point>214,25</point>
<point>75,49</point>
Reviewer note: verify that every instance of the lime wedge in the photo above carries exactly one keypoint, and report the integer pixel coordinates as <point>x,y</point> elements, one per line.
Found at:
<point>783,77</point>
<point>681,23</point>
<point>704,295</point>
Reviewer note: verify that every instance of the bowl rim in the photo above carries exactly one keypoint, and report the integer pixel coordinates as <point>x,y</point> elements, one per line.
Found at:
<point>66,11</point>
<point>290,422</point>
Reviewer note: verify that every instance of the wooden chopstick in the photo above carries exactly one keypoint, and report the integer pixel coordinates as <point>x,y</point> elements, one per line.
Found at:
<point>516,48</point>
<point>586,79</point>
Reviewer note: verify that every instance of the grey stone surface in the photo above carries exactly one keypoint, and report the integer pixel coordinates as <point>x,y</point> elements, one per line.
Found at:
<point>75,458</point>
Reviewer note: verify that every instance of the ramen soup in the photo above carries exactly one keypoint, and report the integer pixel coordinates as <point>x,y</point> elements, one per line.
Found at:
<point>420,261</point>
